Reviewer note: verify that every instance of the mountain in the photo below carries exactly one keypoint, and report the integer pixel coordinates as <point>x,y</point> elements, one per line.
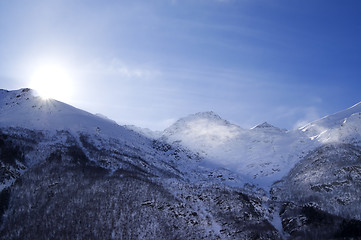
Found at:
<point>43,124</point>
<point>262,154</point>
<point>328,176</point>
<point>68,174</point>
<point>321,195</point>
<point>24,109</point>
<point>341,127</point>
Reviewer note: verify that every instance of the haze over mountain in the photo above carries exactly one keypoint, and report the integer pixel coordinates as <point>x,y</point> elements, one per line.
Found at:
<point>66,173</point>
<point>264,153</point>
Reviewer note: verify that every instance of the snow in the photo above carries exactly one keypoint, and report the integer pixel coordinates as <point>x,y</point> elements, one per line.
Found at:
<point>263,154</point>
<point>197,154</point>
<point>266,125</point>
<point>22,108</point>
<point>341,127</point>
<point>220,150</point>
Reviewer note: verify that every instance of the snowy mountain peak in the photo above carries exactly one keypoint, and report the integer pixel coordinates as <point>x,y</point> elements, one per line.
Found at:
<point>333,120</point>
<point>16,94</point>
<point>263,153</point>
<point>208,114</point>
<point>22,108</point>
<point>17,98</point>
<point>201,132</point>
<point>205,124</point>
<point>267,127</point>
<point>19,91</point>
<point>263,125</point>
<point>340,127</point>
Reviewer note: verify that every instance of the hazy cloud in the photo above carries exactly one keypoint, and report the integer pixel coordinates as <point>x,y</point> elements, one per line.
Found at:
<point>117,67</point>
<point>310,114</point>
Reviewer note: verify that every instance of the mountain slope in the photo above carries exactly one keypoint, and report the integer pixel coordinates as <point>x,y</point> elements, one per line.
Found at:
<point>264,153</point>
<point>321,194</point>
<point>21,108</point>
<point>66,173</point>
<point>43,125</point>
<point>329,176</point>
<point>341,127</point>
<point>88,178</point>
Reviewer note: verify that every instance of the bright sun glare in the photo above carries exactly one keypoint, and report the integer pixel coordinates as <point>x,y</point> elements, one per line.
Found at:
<point>52,81</point>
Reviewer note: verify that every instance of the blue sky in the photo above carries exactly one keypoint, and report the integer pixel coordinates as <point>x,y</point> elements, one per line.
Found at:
<point>149,63</point>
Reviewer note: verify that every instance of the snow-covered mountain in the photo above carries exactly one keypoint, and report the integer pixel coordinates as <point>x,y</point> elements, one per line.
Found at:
<point>68,174</point>
<point>264,153</point>
<point>71,174</point>
<point>341,127</point>
<point>43,126</point>
<point>22,108</point>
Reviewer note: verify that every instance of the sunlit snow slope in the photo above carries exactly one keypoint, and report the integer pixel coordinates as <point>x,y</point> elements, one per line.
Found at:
<point>263,153</point>
<point>341,127</point>
<point>22,108</point>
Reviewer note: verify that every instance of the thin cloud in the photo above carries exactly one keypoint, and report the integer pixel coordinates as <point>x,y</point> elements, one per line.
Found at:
<point>117,67</point>
<point>310,114</point>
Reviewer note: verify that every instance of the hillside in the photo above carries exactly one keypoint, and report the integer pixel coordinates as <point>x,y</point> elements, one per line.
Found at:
<point>66,173</point>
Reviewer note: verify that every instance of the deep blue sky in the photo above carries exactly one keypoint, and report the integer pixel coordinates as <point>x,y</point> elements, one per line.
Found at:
<point>150,62</point>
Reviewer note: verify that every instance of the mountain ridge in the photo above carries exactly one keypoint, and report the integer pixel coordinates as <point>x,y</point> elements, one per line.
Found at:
<point>64,172</point>
<point>336,127</point>
<point>263,153</point>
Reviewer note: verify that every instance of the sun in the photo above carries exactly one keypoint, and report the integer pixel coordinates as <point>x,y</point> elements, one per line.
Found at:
<point>52,81</point>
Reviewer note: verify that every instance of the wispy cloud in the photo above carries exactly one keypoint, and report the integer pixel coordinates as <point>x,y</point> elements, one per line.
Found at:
<point>117,67</point>
<point>309,114</point>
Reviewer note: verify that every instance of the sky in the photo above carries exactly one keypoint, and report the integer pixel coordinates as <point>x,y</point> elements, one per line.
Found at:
<point>149,63</point>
